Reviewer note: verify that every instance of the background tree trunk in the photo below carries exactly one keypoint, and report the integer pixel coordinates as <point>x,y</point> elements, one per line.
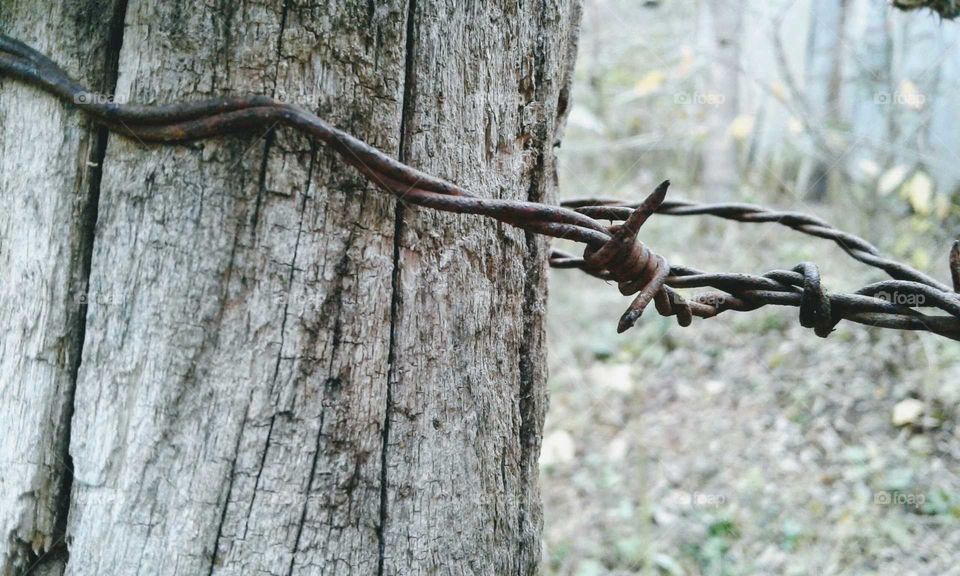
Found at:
<point>283,370</point>
<point>721,164</point>
<point>823,80</point>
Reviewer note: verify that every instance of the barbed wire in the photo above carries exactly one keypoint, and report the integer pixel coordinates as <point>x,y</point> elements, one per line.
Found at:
<point>612,251</point>
<point>948,9</point>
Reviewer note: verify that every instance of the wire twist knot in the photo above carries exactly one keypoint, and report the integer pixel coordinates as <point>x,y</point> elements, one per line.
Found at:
<point>815,309</point>
<point>626,260</point>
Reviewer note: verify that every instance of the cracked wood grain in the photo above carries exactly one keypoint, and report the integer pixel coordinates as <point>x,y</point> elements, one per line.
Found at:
<point>285,371</point>
<point>49,184</point>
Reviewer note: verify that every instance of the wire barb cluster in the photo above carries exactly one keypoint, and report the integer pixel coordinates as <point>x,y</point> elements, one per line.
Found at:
<point>612,252</point>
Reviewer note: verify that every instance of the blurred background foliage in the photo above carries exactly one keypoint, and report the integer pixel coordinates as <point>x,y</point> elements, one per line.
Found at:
<point>745,444</point>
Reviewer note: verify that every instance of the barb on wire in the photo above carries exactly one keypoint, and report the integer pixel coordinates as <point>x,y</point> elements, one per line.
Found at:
<point>612,252</point>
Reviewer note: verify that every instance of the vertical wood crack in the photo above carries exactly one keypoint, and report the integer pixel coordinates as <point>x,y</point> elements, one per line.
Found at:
<point>530,403</point>
<point>406,117</point>
<point>80,278</point>
<point>261,190</point>
<point>313,464</point>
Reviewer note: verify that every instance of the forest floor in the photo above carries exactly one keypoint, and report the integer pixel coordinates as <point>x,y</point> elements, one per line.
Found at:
<point>745,444</point>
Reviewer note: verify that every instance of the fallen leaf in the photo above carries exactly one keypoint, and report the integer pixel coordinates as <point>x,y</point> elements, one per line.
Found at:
<point>649,83</point>
<point>558,448</point>
<point>742,126</point>
<point>907,412</point>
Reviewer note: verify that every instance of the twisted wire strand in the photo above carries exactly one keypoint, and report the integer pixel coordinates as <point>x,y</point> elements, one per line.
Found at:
<point>612,252</point>
<point>855,246</point>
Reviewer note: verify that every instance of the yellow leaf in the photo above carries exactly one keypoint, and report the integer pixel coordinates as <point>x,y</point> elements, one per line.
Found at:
<point>779,90</point>
<point>920,259</point>
<point>795,125</point>
<point>942,207</point>
<point>741,127</point>
<point>919,192</point>
<point>910,96</point>
<point>650,83</point>
<point>686,62</point>
<point>891,179</point>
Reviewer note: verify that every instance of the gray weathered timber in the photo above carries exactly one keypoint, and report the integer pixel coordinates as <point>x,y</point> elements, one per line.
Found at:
<point>49,175</point>
<point>284,370</point>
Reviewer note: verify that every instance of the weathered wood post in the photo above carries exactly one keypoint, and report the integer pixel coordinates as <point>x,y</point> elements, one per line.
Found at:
<point>236,356</point>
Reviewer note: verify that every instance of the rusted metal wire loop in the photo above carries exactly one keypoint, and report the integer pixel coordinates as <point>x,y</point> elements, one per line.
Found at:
<point>613,251</point>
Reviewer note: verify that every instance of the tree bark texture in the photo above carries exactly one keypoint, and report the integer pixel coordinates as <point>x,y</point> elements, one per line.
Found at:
<point>237,356</point>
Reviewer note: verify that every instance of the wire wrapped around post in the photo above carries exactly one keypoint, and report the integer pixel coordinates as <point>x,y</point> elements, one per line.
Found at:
<point>613,251</point>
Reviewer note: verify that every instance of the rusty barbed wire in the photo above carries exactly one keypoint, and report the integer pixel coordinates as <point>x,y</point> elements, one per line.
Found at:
<point>613,251</point>
<point>948,9</point>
